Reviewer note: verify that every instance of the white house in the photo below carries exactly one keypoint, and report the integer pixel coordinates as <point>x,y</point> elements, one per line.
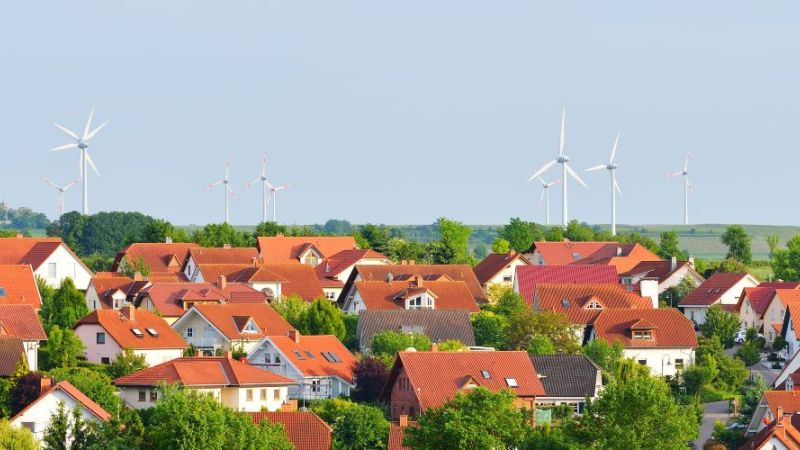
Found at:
<point>334,270</point>
<point>719,289</point>
<point>113,290</point>
<point>50,259</point>
<point>22,322</point>
<point>500,268</point>
<point>414,292</point>
<point>320,366</point>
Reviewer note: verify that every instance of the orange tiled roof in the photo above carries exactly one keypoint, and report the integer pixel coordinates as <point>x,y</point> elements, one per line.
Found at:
<point>304,428</point>
<point>119,324</point>
<point>566,252</point>
<point>455,272</point>
<point>622,256</point>
<point>204,371</point>
<point>494,263</point>
<point>712,289</point>
<point>573,299</point>
<point>396,433</point>
<point>159,256</point>
<point>223,255</point>
<point>341,261</point>
<point>28,250</point>
<point>670,328</point>
<point>295,279</point>
<point>528,277</point>
<point>318,366</point>
<point>287,248</point>
<point>222,317</point>
<point>18,286</point>
<point>761,295</point>
<point>77,395</point>
<point>788,400</point>
<point>785,429</point>
<point>21,321</point>
<point>788,296</point>
<point>168,298</point>
<point>379,295</point>
<point>107,283</point>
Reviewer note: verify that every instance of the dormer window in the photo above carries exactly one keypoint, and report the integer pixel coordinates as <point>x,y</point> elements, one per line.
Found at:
<point>565,303</point>
<point>511,382</point>
<point>251,328</point>
<point>137,332</point>
<point>420,302</point>
<point>642,334</point>
<point>594,304</point>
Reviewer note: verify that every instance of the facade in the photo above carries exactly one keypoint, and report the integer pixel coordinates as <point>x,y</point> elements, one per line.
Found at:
<point>411,293</point>
<point>334,271</point>
<point>437,325</point>
<point>163,259</point>
<point>567,379</point>
<point>499,269</point>
<point>113,290</point>
<point>22,322</point>
<point>49,258</point>
<point>773,316</point>
<point>653,278</point>
<point>721,288</point>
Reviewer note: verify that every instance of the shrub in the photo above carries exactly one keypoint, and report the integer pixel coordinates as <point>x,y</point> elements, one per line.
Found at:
<point>749,354</point>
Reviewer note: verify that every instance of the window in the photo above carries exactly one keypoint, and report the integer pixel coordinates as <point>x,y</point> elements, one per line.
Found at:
<point>137,332</point>
<point>31,426</point>
<point>153,395</point>
<point>51,270</point>
<point>267,358</point>
<point>330,295</point>
<point>298,354</point>
<point>105,360</point>
<point>249,395</point>
<point>189,332</point>
<point>485,374</point>
<point>263,395</point>
<point>565,303</point>
<point>142,395</point>
<point>276,394</point>
<point>277,359</point>
<point>403,384</point>
<point>511,382</point>
<point>100,338</point>
<point>152,332</point>
<point>643,362</point>
<point>251,327</point>
<point>2,292</point>
<point>310,355</point>
<point>507,278</point>
<point>642,334</point>
<point>678,364</point>
<point>315,386</point>
<point>331,357</point>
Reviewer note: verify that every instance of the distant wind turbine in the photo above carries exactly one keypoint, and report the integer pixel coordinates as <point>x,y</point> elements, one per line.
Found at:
<point>265,187</point>
<point>687,186</point>
<point>228,189</point>
<point>61,191</point>
<point>274,190</point>
<point>82,143</point>
<point>566,169</point>
<point>545,197</point>
<point>612,170</point>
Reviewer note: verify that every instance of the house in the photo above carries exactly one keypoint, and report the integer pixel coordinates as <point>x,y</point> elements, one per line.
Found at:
<point>212,256</point>
<point>22,322</point>
<point>790,370</point>
<point>662,339</point>
<point>528,277</point>
<point>411,293</point>
<point>720,288</point>
<point>422,380</point>
<point>781,433</point>
<point>233,383</point>
<point>762,307</point>
<point>397,433</point>
<point>224,327</point>
<point>309,250</point>
<point>499,268</point>
<point>766,410</point>
<point>36,416</point>
<point>567,379</point>
<point>171,300</point>
<point>437,324</point>
<point>12,355</point>
<point>164,260</point>
<point>320,366</point>
<point>790,327</point>
<point>334,271</point>
<point>49,258</point>
<point>407,269</point>
<point>274,280</point>
<point>653,278</point>
<point>622,256</point>
<point>306,430</point>
<point>113,290</point>
<point>18,286</point>
<point>107,332</point>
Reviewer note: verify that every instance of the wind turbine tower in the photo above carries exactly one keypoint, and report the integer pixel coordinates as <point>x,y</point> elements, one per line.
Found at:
<point>687,186</point>
<point>61,191</point>
<point>611,166</point>
<point>228,189</point>
<point>546,197</point>
<point>265,189</point>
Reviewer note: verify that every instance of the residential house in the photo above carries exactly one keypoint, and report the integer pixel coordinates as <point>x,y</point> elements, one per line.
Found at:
<point>306,430</point>
<point>397,433</point>
<point>49,258</point>
<point>567,379</point>
<point>766,411</point>
<point>211,256</point>
<point>762,307</point>
<point>422,380</point>
<point>12,355</point>
<point>408,269</point>
<point>171,300</point>
<point>36,416</point>
<point>233,383</point>
<point>163,260</point>
<point>790,327</point>
<point>320,366</point>
<point>334,270</point>
<point>412,293</point>
<point>437,324</point>
<point>22,322</point>
<point>499,268</point>
<point>719,289</point>
<point>309,250</point>
<point>653,278</point>
<point>781,433</point>
<point>107,332</point>
<point>18,286</point>
<point>790,370</point>
<point>662,339</point>
<point>274,280</point>
<point>225,327</point>
<point>528,277</point>
<point>113,290</point>
<point>622,256</point>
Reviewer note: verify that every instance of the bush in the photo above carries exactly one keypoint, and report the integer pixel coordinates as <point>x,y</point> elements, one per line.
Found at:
<point>749,354</point>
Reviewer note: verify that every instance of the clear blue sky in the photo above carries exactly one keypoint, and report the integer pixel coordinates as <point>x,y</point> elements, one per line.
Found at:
<point>400,112</point>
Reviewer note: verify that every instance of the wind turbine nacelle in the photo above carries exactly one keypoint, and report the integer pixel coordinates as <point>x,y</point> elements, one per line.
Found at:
<point>562,159</point>
<point>611,166</point>
<point>83,145</point>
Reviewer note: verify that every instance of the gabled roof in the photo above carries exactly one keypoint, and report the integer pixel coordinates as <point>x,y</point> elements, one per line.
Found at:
<point>789,401</point>
<point>436,377</point>
<point>154,333</point>
<point>317,365</point>
<point>12,351</point>
<point>336,264</point>
<point>168,297</point>
<point>494,263</point>
<point>396,434</point>
<point>29,250</point>
<point>660,270</point>
<point>294,278</point>
<point>79,397</point>
<point>222,317</point>
<point>761,295</point>
<point>623,256</point>
<point>390,295</point>
<point>160,257</point>
<point>788,296</point>
<point>566,252</point>
<point>530,276</point>
<point>304,428</point>
<point>573,299</point>
<point>204,371</point>
<point>18,286</point>
<point>223,255</point>
<point>437,324</point>
<point>455,272</point>
<point>784,429</point>
<point>567,375</point>
<point>108,283</point>
<point>21,321</point>
<point>671,329</point>
<point>713,289</point>
<point>793,315</point>
<point>281,249</point>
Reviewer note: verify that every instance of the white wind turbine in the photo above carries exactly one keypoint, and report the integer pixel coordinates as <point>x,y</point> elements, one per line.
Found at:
<point>61,191</point>
<point>687,186</point>
<point>228,189</point>
<point>265,186</point>
<point>545,197</point>
<point>274,190</point>
<point>612,170</point>
<point>82,143</point>
<point>566,169</point>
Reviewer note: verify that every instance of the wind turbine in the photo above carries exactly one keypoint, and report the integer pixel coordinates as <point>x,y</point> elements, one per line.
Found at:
<point>61,191</point>
<point>82,143</point>
<point>612,170</point>
<point>566,169</point>
<point>687,186</point>
<point>228,189</point>
<point>274,190</point>
<point>265,186</point>
<point>546,197</point>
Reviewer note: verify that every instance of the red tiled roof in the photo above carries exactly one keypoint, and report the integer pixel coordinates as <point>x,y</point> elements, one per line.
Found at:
<point>788,400</point>
<point>712,289</point>
<point>530,276</point>
<point>761,295</point>
<point>19,286</point>
<point>28,250</point>
<point>223,255</point>
<point>670,328</point>
<point>304,428</point>
<point>318,366</point>
<point>660,270</point>
<point>77,395</point>
<point>107,283</point>
<point>301,280</point>
<point>341,261</point>
<point>494,263</point>
<point>455,272</point>
<point>11,352</point>
<point>389,295</point>
<point>785,429</point>
<point>281,249</point>
<point>623,256</point>
<point>160,257</point>
<point>168,298</point>
<point>120,325</point>
<point>566,252</point>
<point>573,299</point>
<point>204,371</point>
<point>21,321</point>
<point>396,433</point>
<point>222,317</point>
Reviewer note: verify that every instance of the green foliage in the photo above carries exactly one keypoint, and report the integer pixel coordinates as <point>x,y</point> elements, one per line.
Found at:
<point>779,343</point>
<point>751,391</point>
<point>5,397</point>
<point>773,242</point>
<point>126,363</point>
<point>123,433</point>
<point>636,238</point>
<point>63,347</point>
<point>62,307</point>
<point>24,219</point>
<point>732,438</point>
<point>97,262</point>
<point>541,345</point>
<point>355,426</point>
<point>16,438</point>
<point>554,234</point>
<point>577,231</point>
<point>738,242</point>
<point>130,268</point>
<point>730,265</point>
<point>370,376</point>
<point>95,384</point>
<point>669,246</point>
<point>401,249</point>
<point>26,389</point>
<point>749,354</point>
<point>337,227</point>
<point>375,237</point>
<point>520,234</point>
<point>451,247</point>
<point>351,327</point>
<point>60,429</point>
<point>525,325</point>
<point>221,234</point>
<point>673,295</point>
<point>714,372</point>
<point>159,230</point>
<point>480,251</point>
<point>501,245</point>
<point>269,229</point>
<point>786,261</point>
<point>489,329</point>
<point>604,354</point>
<point>722,324</point>
<point>292,309</point>
<point>323,317</point>
<point>509,303</point>
<point>190,351</point>
<point>480,419</point>
<point>451,345</point>
<point>386,344</point>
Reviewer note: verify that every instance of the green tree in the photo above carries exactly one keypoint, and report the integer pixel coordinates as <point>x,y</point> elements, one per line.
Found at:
<point>480,251</point>
<point>479,419</point>
<point>16,438</point>
<point>509,303</point>
<point>323,317</point>
<point>66,306</point>
<point>730,265</point>
<point>158,230</point>
<point>773,242</point>
<point>674,294</point>
<point>57,433</point>
<point>63,347</point>
<point>541,345</point>
<point>118,433</point>
<point>221,234</point>
<point>489,329</point>
<point>26,389</point>
<point>268,229</point>
<point>360,427</point>
<point>637,238</point>
<point>96,385</point>
<point>451,345</point>
<point>451,247</point>
<point>386,344</point>
<point>518,233</point>
<point>501,245</point>
<point>336,227</point>
<point>738,242</point>
<point>375,237</point>
<point>749,354</point>
<point>126,363</point>
<point>669,246</point>
<point>786,261</point>
<point>370,376</point>
<point>722,324</point>
<point>293,310</point>
<point>554,234</point>
<point>524,326</point>
<point>779,343</point>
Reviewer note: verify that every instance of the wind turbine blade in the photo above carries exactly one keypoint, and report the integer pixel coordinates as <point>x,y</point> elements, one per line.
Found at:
<point>95,131</point>
<point>230,190</point>
<point>575,175</point>
<point>541,197</point>
<point>269,185</point>
<point>616,186</point>
<point>251,183</point>
<point>264,167</point>
<point>91,163</point>
<point>553,183</point>
<point>614,149</point>
<point>47,180</point>
<point>281,187</point>
<point>674,174</point>
<point>72,183</point>
<point>686,164</point>
<point>597,167</point>
<point>561,135</point>
<point>64,147</point>
<point>216,183</point>
<point>227,167</point>
<point>88,125</point>
<point>69,132</point>
<point>542,170</point>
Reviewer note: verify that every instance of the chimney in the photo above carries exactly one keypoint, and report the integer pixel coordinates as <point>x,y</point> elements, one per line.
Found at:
<point>416,281</point>
<point>168,240</point>
<point>198,354</point>
<point>434,347</point>
<point>289,406</point>
<point>20,235</point>
<point>279,235</point>
<point>226,246</point>
<point>45,383</point>
<point>137,276</point>
<point>512,253</point>
<point>691,262</point>
<point>403,262</point>
<point>779,413</point>
<point>222,282</point>
<point>403,421</point>
<point>130,312</point>
<point>243,359</point>
<point>673,264</point>
<point>619,251</point>
<point>411,262</point>
<point>254,261</point>
<point>294,335</point>
<point>228,355</point>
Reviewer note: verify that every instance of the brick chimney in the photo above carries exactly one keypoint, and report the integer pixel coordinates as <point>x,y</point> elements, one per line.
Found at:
<point>243,359</point>
<point>254,261</point>
<point>294,335</point>
<point>222,282</point>
<point>416,281</point>
<point>45,383</point>
<point>20,235</point>
<point>229,355</point>
<point>619,251</point>
<point>779,413</point>
<point>168,240</point>
<point>198,354</point>
<point>130,312</point>
<point>289,406</point>
<point>691,262</point>
<point>403,262</point>
<point>434,347</point>
<point>403,421</point>
<point>411,262</point>
<point>226,246</point>
<point>673,263</point>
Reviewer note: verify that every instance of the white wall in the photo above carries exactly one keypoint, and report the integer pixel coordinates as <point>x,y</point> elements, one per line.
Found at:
<point>67,265</point>
<point>508,271</point>
<point>44,408</point>
<point>95,352</point>
<point>232,397</point>
<point>696,313</point>
<point>655,357</point>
